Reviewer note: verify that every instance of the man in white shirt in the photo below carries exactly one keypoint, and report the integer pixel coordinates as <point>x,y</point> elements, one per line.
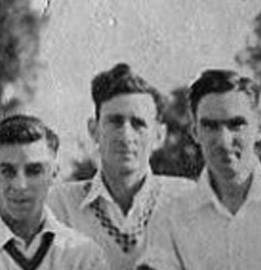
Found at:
<point>118,205</point>
<point>31,237</point>
<point>217,225</point>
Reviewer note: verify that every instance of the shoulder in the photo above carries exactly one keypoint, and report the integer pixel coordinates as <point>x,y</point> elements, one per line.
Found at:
<point>76,245</point>
<point>186,205</point>
<point>74,239</point>
<point>172,188</point>
<point>74,190</point>
<point>175,185</point>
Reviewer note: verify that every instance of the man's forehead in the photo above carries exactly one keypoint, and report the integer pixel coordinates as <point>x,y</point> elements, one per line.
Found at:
<point>228,104</point>
<point>28,152</point>
<point>139,105</point>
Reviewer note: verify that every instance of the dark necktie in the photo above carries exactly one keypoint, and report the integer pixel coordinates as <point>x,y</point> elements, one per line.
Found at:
<point>36,260</point>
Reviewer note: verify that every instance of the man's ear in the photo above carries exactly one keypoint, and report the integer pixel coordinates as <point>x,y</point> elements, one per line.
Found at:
<point>259,125</point>
<point>93,129</point>
<point>56,170</point>
<point>194,132</point>
<point>161,131</point>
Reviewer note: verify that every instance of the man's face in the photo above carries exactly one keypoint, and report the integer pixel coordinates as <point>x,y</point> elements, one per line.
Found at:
<point>226,127</point>
<point>26,172</point>
<point>127,132</point>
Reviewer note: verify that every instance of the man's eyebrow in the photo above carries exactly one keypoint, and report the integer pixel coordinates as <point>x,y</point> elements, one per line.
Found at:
<point>237,120</point>
<point>6,164</point>
<point>114,115</point>
<point>36,163</point>
<point>138,118</point>
<point>206,121</point>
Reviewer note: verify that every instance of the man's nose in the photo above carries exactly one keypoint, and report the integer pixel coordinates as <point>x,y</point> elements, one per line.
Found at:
<point>20,182</point>
<point>127,130</point>
<point>225,138</point>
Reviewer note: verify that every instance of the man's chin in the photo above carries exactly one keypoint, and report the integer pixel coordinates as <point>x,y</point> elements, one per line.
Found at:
<point>128,167</point>
<point>229,173</point>
<point>224,171</point>
<point>19,217</point>
<point>20,214</point>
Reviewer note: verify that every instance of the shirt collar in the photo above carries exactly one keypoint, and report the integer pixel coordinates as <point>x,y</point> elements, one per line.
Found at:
<point>205,194</point>
<point>50,225</point>
<point>98,189</point>
<point>149,188</point>
<point>255,189</point>
<point>6,234</point>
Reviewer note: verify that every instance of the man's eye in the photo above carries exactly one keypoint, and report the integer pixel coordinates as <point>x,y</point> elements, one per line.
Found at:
<point>34,170</point>
<point>138,123</point>
<point>236,124</point>
<point>8,172</point>
<point>116,120</point>
<point>210,125</point>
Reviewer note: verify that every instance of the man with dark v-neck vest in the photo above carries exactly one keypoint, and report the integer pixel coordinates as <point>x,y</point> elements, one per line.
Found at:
<point>124,198</point>
<point>31,237</point>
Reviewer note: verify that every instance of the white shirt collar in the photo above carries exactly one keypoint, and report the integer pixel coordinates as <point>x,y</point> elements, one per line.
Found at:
<point>205,194</point>
<point>50,225</point>
<point>98,189</point>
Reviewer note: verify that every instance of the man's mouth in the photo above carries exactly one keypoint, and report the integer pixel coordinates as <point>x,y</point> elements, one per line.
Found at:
<point>126,152</point>
<point>20,202</point>
<point>230,156</point>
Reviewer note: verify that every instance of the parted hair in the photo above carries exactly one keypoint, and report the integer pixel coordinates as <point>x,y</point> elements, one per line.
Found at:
<point>24,129</point>
<point>121,80</point>
<point>219,81</point>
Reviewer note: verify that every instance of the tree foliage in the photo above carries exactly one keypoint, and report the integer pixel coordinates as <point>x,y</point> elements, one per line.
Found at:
<point>84,166</point>
<point>251,55</point>
<point>179,154</point>
<point>20,29</point>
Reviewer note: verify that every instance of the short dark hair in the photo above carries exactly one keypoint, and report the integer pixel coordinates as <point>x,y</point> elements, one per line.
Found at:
<point>121,80</point>
<point>219,81</point>
<point>23,129</point>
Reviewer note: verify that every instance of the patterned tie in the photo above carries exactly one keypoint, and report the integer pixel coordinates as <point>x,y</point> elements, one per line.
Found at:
<point>35,261</point>
<point>126,241</point>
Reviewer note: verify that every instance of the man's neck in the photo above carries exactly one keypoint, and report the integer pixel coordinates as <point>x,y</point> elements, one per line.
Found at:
<point>231,193</point>
<point>24,229</point>
<point>123,188</point>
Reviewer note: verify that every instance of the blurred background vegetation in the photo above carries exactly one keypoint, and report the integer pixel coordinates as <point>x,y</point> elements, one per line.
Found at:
<point>179,154</point>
